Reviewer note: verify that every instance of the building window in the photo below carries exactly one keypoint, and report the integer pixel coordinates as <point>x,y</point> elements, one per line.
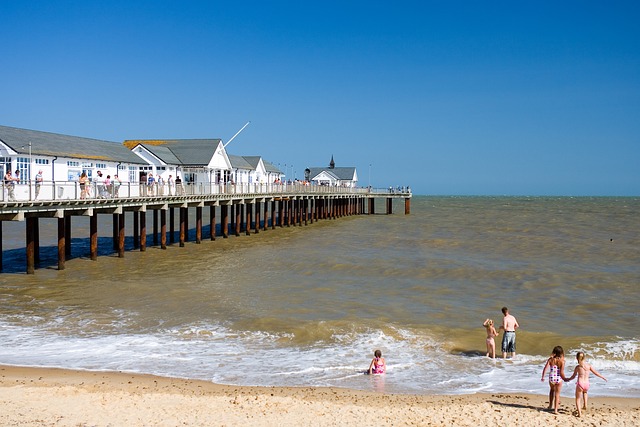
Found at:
<point>133,174</point>
<point>24,166</point>
<point>73,164</point>
<point>87,165</point>
<point>42,161</point>
<point>101,165</point>
<point>5,164</point>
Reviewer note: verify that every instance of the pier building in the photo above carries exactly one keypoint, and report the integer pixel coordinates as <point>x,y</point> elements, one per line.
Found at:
<point>243,194</point>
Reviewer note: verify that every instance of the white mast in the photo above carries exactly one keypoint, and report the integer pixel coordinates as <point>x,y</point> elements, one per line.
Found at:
<point>241,129</point>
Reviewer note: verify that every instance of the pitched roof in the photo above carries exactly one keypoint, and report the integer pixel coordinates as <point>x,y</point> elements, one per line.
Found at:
<point>75,147</point>
<point>240,162</point>
<point>187,152</point>
<point>342,173</point>
<point>270,167</point>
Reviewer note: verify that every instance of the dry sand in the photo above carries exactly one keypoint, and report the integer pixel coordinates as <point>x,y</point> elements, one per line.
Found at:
<point>55,397</point>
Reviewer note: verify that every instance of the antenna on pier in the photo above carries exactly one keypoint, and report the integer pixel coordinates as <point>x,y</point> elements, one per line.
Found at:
<point>237,133</point>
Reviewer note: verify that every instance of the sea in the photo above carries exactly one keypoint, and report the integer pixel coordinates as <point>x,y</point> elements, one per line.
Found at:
<point>306,306</point>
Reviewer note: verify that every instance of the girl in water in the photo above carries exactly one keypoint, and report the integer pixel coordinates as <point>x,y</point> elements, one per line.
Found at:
<point>582,371</point>
<point>491,334</point>
<point>556,375</point>
<point>377,365</point>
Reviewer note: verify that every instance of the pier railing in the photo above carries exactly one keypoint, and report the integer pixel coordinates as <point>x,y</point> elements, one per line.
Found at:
<point>72,190</point>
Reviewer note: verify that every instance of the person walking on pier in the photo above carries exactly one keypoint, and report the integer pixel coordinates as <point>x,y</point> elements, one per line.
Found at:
<point>38,183</point>
<point>10,185</point>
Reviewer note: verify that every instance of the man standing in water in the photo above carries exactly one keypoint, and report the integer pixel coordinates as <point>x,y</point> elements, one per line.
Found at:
<point>509,325</point>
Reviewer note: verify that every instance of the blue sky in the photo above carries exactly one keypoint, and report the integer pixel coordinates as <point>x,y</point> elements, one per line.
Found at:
<point>459,98</point>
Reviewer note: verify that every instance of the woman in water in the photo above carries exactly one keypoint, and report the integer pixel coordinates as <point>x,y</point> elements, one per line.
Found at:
<point>556,375</point>
<point>582,371</point>
<point>491,334</point>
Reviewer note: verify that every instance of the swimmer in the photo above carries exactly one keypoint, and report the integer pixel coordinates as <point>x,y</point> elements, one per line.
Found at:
<point>490,341</point>
<point>377,365</point>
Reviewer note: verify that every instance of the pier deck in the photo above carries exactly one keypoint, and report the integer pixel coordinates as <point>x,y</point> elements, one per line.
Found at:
<point>247,208</point>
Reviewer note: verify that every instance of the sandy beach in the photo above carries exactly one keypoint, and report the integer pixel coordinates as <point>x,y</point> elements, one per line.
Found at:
<point>55,397</point>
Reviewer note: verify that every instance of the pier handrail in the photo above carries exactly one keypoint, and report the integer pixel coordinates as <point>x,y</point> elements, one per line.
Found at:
<point>72,190</point>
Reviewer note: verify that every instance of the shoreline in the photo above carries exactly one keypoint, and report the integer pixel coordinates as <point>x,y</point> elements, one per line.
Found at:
<point>61,397</point>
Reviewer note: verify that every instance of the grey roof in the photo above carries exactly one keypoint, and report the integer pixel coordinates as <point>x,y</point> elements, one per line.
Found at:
<point>240,162</point>
<point>163,153</point>
<point>75,147</point>
<point>342,173</point>
<point>253,161</point>
<point>270,167</point>
<point>187,152</point>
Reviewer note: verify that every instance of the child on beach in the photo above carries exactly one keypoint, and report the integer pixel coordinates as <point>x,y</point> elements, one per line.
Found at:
<point>377,365</point>
<point>491,334</point>
<point>582,386</point>
<point>555,363</point>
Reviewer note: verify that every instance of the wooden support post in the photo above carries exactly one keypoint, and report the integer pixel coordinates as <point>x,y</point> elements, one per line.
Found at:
<point>407,206</point>
<point>299,211</point>
<point>30,240</point>
<point>389,206</point>
<point>172,228</point>
<point>93,236</point>
<point>155,227</point>
<point>294,212</point>
<point>212,222</point>
<point>121,235</point>
<point>238,222</point>
<point>0,245</point>
<point>289,209</point>
<point>163,229</point>
<point>281,212</point>
<point>186,224</point>
<point>256,228</point>
<point>305,210</point>
<point>232,217</point>
<point>183,226</point>
<point>36,240</point>
<point>67,237</point>
<point>136,235</point>
<point>115,231</point>
<point>143,231</point>
<point>274,209</point>
<point>247,228</point>
<point>266,213</point>
<point>224,223</point>
<point>198,224</point>
<point>61,242</point>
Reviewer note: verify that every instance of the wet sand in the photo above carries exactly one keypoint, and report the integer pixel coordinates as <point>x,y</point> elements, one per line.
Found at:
<point>56,397</point>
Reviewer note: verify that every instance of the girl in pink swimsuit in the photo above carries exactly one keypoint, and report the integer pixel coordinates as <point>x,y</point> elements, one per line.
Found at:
<point>491,334</point>
<point>377,365</point>
<point>556,374</point>
<point>582,372</point>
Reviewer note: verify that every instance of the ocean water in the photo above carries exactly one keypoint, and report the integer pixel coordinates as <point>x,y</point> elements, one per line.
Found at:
<point>307,306</point>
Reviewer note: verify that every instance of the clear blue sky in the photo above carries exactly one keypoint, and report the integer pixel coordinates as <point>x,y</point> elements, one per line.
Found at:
<point>461,98</point>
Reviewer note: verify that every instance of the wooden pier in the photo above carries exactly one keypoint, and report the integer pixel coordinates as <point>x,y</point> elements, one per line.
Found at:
<point>248,212</point>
